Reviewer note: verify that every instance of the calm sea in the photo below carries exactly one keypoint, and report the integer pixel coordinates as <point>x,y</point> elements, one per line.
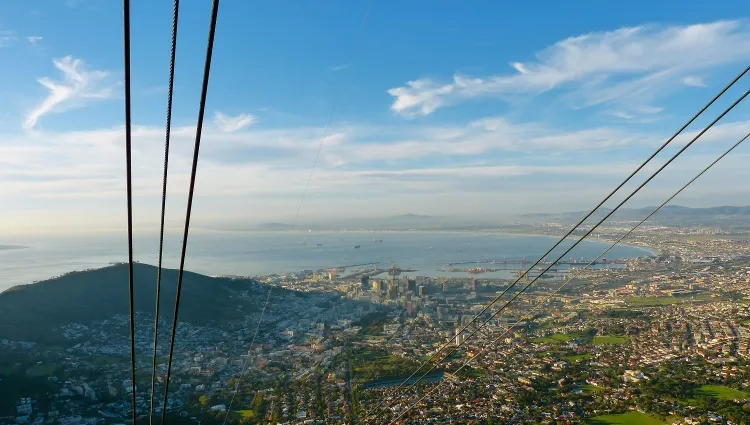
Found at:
<point>258,253</point>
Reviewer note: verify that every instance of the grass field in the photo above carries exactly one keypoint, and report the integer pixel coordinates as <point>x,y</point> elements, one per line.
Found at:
<point>629,418</point>
<point>245,413</point>
<point>368,364</point>
<point>722,393</point>
<point>610,339</point>
<point>554,339</point>
<point>578,357</point>
<point>40,370</point>
<point>589,389</point>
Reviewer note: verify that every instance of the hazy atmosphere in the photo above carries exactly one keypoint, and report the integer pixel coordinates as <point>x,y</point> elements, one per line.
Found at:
<point>428,119</point>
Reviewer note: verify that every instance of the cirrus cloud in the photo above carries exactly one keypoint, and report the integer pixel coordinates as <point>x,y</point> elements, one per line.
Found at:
<point>629,64</point>
<point>77,88</point>
<point>230,124</point>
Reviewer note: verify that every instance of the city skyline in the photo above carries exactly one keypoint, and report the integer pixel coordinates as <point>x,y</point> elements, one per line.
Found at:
<point>429,119</point>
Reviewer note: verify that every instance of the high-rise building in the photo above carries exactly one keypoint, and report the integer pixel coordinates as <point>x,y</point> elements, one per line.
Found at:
<point>376,287</point>
<point>365,280</point>
<point>441,312</point>
<point>474,285</point>
<point>459,337</point>
<point>411,286</point>
<point>393,292</point>
<point>420,290</point>
<point>446,286</point>
<point>403,285</point>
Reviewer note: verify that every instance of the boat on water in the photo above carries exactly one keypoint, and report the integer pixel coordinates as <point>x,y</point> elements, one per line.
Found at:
<point>476,270</point>
<point>319,244</point>
<point>377,240</point>
<point>356,246</point>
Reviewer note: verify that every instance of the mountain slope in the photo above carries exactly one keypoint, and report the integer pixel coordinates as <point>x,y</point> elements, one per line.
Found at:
<point>31,312</point>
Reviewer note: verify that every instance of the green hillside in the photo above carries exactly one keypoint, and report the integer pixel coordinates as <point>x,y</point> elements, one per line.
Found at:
<point>31,312</point>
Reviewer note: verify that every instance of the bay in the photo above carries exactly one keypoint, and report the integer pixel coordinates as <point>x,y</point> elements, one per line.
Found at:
<point>262,253</point>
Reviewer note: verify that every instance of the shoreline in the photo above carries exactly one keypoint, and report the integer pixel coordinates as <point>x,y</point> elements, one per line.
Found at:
<point>654,251</point>
<point>14,279</point>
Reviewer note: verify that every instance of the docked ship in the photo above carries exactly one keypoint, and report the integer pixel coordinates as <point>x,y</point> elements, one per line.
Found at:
<point>476,270</point>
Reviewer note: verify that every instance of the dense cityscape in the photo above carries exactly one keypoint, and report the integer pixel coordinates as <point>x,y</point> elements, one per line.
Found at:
<point>658,339</point>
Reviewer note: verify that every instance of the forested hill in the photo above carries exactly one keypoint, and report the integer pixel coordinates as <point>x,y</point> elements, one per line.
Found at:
<point>30,312</point>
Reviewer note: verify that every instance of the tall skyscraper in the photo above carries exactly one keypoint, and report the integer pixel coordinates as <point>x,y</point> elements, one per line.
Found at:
<point>446,286</point>
<point>393,292</point>
<point>365,280</point>
<point>411,286</point>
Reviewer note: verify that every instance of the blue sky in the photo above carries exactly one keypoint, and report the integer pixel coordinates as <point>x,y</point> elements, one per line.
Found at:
<point>466,109</point>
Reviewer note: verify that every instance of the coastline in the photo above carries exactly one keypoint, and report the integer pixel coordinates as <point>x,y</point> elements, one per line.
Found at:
<point>652,250</point>
<point>272,254</point>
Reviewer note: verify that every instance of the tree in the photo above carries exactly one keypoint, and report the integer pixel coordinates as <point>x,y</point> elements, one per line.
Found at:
<point>258,405</point>
<point>204,401</point>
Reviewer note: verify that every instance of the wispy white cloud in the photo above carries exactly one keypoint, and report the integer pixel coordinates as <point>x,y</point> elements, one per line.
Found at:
<point>77,88</point>
<point>596,68</point>
<point>480,163</point>
<point>7,37</point>
<point>339,67</point>
<point>693,81</point>
<point>34,39</point>
<point>229,124</point>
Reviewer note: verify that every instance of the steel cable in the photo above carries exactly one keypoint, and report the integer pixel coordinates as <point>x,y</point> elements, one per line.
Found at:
<point>196,150</point>
<point>175,15</point>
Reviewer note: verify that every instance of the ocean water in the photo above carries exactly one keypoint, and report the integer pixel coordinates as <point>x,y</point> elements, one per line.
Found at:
<point>259,253</point>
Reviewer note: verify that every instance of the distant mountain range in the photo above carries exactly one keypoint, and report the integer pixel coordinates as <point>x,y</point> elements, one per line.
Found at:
<point>670,214</point>
<point>31,312</point>
<point>410,217</point>
<point>276,226</point>
<point>400,222</point>
<point>2,247</point>
<point>731,217</point>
